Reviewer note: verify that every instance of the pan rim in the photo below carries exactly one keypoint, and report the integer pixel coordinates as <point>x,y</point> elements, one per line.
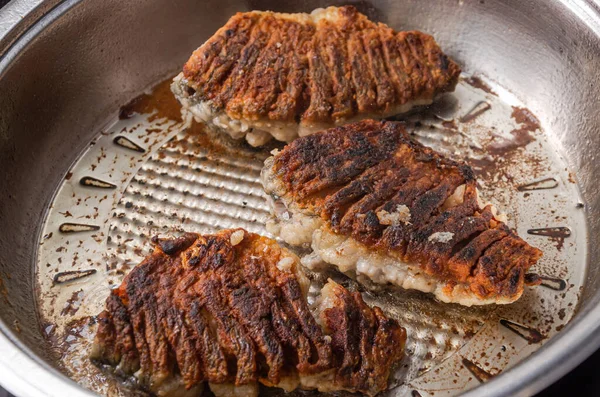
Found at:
<point>24,373</point>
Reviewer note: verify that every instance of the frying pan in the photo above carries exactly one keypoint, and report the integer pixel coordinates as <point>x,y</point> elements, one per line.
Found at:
<point>66,67</point>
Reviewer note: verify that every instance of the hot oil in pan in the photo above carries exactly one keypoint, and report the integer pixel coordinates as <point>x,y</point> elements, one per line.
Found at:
<point>148,174</point>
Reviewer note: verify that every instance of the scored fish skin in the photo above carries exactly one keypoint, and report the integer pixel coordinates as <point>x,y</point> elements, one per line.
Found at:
<point>374,202</point>
<point>269,74</point>
<point>231,310</point>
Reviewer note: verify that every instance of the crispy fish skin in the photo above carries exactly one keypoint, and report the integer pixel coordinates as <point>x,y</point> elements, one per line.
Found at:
<point>371,200</point>
<point>294,74</point>
<point>230,309</point>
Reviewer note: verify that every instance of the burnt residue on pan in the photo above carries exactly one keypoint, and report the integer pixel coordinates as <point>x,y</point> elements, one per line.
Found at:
<point>529,334</point>
<point>554,283</point>
<point>542,184</point>
<point>69,227</point>
<point>476,82</point>
<point>521,136</point>
<point>128,144</point>
<point>159,104</point>
<point>72,305</point>
<point>476,111</point>
<point>90,181</point>
<point>557,234</point>
<point>65,277</point>
<point>479,373</point>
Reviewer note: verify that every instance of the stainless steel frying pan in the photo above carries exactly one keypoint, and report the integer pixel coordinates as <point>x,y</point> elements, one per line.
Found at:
<point>67,66</point>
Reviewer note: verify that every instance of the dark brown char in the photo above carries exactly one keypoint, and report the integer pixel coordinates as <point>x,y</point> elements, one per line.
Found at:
<point>351,175</point>
<point>264,66</point>
<point>211,309</point>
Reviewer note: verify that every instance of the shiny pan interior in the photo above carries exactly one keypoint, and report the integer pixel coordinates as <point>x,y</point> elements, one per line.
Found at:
<point>66,68</point>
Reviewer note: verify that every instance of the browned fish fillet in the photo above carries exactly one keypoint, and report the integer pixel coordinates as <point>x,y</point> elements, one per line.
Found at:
<point>268,74</point>
<point>231,310</point>
<point>377,204</point>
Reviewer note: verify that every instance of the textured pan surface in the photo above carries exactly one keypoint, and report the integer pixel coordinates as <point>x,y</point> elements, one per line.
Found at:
<point>197,180</point>
<point>541,50</point>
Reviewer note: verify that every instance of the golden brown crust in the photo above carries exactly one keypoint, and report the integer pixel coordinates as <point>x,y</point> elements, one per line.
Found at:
<point>348,175</point>
<point>208,308</point>
<point>291,67</point>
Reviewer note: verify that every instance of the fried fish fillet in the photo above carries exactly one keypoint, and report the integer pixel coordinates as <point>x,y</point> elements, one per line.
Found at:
<point>267,74</point>
<point>377,204</point>
<point>231,310</point>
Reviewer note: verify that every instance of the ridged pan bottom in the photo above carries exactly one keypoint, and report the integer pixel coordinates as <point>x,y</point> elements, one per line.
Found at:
<point>147,175</point>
